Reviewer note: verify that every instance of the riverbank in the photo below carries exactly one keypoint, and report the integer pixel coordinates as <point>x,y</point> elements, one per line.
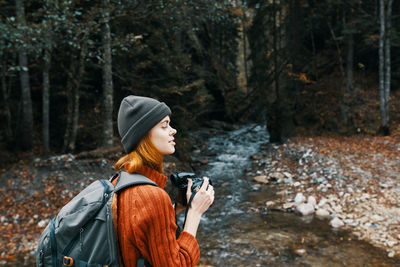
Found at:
<point>354,183</point>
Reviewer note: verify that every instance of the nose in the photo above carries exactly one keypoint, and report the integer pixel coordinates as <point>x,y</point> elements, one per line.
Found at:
<point>173,131</point>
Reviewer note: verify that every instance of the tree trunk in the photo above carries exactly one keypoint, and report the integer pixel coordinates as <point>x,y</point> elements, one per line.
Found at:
<point>27,114</point>
<point>45,100</point>
<point>108,132</point>
<point>339,51</point>
<point>387,64</point>
<point>274,114</point>
<point>349,63</point>
<point>68,124</point>
<point>384,63</point>
<point>6,105</point>
<point>244,31</point>
<point>381,60</point>
<point>74,82</point>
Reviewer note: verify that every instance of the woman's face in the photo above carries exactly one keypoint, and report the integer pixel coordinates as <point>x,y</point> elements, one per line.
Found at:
<point>162,136</point>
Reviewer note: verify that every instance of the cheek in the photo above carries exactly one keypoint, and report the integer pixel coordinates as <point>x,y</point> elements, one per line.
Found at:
<point>157,138</point>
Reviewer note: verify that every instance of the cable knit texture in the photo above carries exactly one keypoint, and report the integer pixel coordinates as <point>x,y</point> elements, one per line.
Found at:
<point>146,226</point>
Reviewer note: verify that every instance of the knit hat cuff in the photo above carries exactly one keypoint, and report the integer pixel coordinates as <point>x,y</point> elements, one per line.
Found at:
<point>142,126</point>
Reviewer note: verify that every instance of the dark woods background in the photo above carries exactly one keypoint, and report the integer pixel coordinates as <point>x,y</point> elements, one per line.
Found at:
<point>307,67</point>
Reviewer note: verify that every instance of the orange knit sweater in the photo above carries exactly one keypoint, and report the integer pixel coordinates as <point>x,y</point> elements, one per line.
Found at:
<point>146,227</point>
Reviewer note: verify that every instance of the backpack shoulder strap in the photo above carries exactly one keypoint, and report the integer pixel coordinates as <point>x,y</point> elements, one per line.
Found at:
<point>126,179</point>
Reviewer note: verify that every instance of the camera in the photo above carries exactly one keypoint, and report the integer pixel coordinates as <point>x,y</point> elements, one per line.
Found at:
<point>180,181</point>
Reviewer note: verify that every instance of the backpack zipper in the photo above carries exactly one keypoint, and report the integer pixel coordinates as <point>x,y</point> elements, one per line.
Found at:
<point>81,238</point>
<point>41,258</point>
<point>110,233</point>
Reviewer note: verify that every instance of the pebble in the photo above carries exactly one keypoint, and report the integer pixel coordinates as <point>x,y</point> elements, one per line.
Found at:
<point>336,222</point>
<point>322,213</point>
<point>346,191</point>
<point>300,198</point>
<point>311,200</point>
<point>43,223</point>
<point>261,179</point>
<point>270,203</point>
<point>300,251</point>
<point>305,209</point>
<point>391,254</point>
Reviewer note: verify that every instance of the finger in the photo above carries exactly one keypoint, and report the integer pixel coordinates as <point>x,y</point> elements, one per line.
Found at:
<point>189,189</point>
<point>205,184</point>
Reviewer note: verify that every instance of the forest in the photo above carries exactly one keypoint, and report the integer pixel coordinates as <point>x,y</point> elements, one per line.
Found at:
<point>322,76</point>
<point>302,67</point>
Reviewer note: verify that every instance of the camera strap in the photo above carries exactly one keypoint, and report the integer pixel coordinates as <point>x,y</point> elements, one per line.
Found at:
<point>188,207</point>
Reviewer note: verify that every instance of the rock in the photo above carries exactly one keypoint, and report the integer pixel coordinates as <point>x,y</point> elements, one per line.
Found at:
<point>391,254</point>
<point>296,184</point>
<point>288,205</point>
<point>270,203</point>
<point>277,176</point>
<point>300,198</point>
<point>311,200</point>
<point>43,223</point>
<point>322,202</point>
<point>261,179</point>
<point>288,175</point>
<point>323,213</point>
<point>377,218</point>
<point>391,243</point>
<point>336,222</point>
<point>348,221</point>
<point>288,181</point>
<point>305,209</point>
<point>300,251</point>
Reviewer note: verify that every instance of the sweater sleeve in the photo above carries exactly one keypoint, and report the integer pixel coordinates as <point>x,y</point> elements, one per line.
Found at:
<point>154,231</point>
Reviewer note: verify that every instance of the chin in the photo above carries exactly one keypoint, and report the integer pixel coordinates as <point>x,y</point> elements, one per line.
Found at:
<point>168,152</point>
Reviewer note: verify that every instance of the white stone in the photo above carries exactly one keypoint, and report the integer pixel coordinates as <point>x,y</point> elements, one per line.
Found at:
<point>322,213</point>
<point>296,184</point>
<point>377,218</point>
<point>43,223</point>
<point>336,222</point>
<point>305,209</point>
<point>288,205</point>
<point>322,202</point>
<point>288,175</point>
<point>391,243</point>
<point>277,176</point>
<point>348,221</point>
<point>300,198</point>
<point>300,251</point>
<point>311,200</point>
<point>261,179</point>
<point>270,203</point>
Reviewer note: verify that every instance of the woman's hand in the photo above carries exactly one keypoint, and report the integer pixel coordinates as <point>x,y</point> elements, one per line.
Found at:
<point>203,198</point>
<point>200,204</point>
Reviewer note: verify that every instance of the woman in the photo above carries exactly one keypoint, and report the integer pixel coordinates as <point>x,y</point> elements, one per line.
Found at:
<point>146,217</point>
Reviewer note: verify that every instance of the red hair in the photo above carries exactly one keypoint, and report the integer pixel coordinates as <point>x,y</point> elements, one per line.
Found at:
<point>145,153</point>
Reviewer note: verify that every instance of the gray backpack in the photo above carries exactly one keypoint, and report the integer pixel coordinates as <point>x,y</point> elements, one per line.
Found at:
<point>83,234</point>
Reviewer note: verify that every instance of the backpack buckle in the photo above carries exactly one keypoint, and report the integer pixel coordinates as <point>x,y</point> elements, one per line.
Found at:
<point>68,261</point>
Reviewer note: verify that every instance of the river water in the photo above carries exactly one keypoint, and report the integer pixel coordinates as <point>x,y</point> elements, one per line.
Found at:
<point>238,231</point>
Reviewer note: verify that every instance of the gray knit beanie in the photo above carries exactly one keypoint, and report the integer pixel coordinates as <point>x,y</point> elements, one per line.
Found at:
<point>136,117</point>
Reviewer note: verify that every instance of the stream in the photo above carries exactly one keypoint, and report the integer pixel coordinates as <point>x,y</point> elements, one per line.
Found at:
<point>238,230</point>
